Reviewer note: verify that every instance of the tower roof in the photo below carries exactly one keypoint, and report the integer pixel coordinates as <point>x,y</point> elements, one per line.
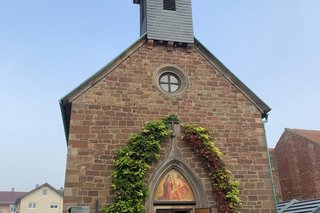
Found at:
<point>166,20</point>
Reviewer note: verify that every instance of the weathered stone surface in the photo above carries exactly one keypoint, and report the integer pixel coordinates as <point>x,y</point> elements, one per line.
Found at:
<point>104,117</point>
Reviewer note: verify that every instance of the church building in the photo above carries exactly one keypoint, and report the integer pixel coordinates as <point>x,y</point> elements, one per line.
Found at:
<point>167,71</point>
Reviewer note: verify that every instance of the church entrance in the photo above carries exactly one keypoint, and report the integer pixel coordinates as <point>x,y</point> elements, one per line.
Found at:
<point>174,187</point>
<point>172,211</point>
<point>201,210</point>
<point>174,194</point>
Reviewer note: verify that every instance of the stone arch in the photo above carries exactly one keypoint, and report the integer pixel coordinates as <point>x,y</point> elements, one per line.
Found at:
<point>193,181</point>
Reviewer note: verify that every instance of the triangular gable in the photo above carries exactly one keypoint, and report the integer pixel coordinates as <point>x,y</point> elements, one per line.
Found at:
<point>40,187</point>
<point>66,102</point>
<point>264,109</point>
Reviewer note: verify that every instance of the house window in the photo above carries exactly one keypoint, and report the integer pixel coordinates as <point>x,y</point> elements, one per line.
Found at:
<point>32,205</point>
<point>169,5</point>
<point>45,192</point>
<point>169,82</point>
<point>53,206</point>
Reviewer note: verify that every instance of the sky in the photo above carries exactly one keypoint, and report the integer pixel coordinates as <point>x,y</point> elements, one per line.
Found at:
<point>47,48</point>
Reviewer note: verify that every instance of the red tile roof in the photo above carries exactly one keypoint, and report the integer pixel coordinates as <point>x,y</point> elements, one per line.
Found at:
<point>311,135</point>
<point>10,197</point>
<point>272,149</point>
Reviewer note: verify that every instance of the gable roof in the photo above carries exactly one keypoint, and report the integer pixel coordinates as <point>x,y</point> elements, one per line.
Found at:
<point>295,206</point>
<point>7,198</point>
<point>66,102</point>
<point>311,135</point>
<point>263,107</point>
<point>38,188</point>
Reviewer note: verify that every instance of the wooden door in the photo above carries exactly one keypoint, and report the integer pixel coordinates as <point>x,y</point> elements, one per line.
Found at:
<point>203,210</point>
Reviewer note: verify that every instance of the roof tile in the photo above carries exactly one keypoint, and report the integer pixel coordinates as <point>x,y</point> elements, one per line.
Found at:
<point>312,135</point>
<point>10,197</point>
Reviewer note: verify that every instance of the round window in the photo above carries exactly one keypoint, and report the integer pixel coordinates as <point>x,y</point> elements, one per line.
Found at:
<point>169,82</point>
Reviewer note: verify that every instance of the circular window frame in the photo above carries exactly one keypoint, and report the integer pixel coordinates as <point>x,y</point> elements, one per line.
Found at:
<point>171,80</point>
<point>174,71</point>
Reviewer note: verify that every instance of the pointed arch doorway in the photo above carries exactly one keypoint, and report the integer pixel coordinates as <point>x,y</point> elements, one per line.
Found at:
<point>196,210</point>
<point>177,191</point>
<point>174,194</point>
<point>173,211</point>
<point>173,187</point>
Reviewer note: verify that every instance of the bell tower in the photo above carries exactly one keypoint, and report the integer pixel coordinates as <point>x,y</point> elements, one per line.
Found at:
<point>166,20</point>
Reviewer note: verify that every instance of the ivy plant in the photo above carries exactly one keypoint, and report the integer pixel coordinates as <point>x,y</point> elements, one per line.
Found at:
<point>223,184</point>
<point>132,162</point>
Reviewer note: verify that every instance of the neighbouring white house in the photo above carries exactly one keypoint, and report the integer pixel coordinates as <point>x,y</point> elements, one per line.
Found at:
<point>42,199</point>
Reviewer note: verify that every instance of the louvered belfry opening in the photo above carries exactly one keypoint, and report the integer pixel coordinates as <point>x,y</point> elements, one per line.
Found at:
<point>169,5</point>
<point>166,21</point>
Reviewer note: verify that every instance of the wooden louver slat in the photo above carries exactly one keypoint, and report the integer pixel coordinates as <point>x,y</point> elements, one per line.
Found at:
<point>169,4</point>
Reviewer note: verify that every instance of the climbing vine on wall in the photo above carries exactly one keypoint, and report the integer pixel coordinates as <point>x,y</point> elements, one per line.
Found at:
<point>223,184</point>
<point>132,162</point>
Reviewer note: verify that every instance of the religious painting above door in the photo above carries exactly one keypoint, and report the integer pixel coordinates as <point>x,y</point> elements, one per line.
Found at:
<point>174,187</point>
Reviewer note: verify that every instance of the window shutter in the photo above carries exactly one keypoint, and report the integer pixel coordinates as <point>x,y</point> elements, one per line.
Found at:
<point>169,4</point>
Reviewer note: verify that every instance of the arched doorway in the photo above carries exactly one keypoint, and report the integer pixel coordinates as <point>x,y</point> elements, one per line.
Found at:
<point>173,211</point>
<point>175,189</point>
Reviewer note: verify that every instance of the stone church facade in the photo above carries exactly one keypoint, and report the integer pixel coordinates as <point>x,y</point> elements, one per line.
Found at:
<point>153,78</point>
